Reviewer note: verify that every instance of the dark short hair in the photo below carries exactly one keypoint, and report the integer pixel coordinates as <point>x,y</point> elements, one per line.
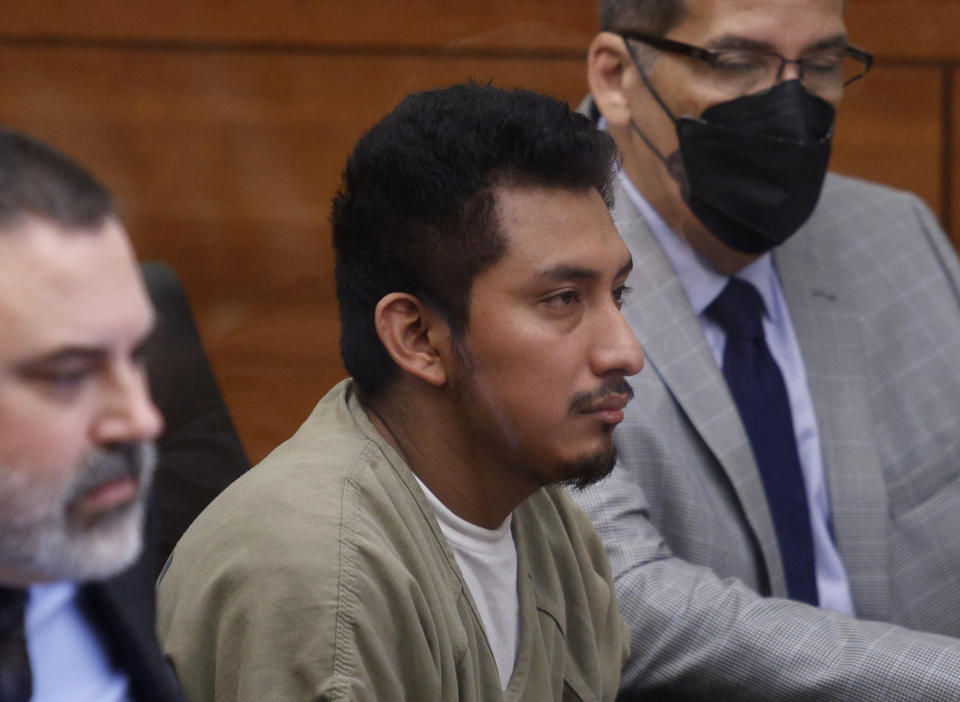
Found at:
<point>416,210</point>
<point>38,180</point>
<point>653,16</point>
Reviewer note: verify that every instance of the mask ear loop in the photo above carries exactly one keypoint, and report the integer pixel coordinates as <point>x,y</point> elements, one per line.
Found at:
<point>646,79</point>
<point>673,164</point>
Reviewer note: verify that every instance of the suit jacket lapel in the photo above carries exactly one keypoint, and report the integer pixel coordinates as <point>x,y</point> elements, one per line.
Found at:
<point>833,352</point>
<point>675,348</point>
<point>122,609</point>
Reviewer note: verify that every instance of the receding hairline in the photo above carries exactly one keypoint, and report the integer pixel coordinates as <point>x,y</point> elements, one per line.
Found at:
<point>37,178</point>
<point>655,16</point>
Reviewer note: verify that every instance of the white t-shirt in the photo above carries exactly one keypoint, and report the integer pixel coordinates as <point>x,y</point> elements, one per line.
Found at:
<point>488,561</point>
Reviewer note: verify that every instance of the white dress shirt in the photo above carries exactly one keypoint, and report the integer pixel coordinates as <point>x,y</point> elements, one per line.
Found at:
<point>67,658</point>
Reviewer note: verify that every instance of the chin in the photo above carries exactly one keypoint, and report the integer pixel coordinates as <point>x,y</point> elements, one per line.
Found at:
<point>589,468</point>
<point>92,551</point>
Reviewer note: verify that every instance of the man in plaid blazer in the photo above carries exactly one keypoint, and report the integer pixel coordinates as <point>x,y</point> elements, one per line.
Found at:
<point>863,317</point>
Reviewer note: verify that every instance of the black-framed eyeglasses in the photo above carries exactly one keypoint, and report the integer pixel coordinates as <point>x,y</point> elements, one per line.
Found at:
<point>744,71</point>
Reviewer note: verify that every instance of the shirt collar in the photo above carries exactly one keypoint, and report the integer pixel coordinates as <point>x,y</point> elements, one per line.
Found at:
<point>700,280</point>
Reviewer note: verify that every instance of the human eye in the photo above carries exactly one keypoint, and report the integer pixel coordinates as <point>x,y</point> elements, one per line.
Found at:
<point>562,301</point>
<point>741,62</point>
<point>61,378</point>
<point>64,380</point>
<point>827,64</point>
<point>620,294</point>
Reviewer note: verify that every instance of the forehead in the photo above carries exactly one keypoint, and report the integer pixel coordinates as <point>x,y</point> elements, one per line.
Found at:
<point>62,288</point>
<point>549,227</point>
<point>788,26</point>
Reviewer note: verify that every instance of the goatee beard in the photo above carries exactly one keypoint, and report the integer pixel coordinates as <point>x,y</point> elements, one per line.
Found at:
<point>590,469</point>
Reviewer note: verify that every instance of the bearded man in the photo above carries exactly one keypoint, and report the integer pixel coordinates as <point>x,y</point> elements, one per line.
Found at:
<point>76,432</point>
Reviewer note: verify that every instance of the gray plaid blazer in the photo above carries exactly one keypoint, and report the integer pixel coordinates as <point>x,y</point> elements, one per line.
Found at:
<point>873,288</point>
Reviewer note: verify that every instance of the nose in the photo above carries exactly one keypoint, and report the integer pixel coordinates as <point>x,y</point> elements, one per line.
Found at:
<point>128,413</point>
<point>791,70</point>
<point>616,348</point>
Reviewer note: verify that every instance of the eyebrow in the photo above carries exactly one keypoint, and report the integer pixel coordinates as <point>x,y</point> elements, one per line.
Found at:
<point>734,42</point>
<point>69,354</point>
<point>567,271</point>
<point>77,354</point>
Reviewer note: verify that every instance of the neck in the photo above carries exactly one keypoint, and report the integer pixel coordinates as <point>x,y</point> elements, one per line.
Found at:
<point>426,429</point>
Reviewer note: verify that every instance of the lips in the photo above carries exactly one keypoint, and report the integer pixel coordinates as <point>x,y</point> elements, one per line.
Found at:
<point>109,495</point>
<point>613,403</point>
<point>107,500</point>
<point>110,480</point>
<point>610,409</point>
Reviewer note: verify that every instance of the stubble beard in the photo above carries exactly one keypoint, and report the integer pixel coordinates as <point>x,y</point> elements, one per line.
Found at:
<point>579,473</point>
<point>589,469</point>
<point>593,467</point>
<point>41,534</point>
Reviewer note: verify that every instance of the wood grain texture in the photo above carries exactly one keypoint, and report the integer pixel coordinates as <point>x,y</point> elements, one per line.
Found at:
<point>917,29</point>
<point>566,24</point>
<point>222,128</point>
<point>224,166</point>
<point>889,130</point>
<point>925,29</point>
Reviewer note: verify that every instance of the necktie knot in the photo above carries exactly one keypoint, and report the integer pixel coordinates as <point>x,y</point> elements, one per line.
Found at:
<point>739,310</point>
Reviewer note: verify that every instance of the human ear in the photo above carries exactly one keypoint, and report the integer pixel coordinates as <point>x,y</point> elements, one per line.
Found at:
<point>607,64</point>
<point>414,335</point>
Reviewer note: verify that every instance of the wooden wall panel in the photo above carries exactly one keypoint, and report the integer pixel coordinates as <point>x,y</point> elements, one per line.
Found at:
<point>222,127</point>
<point>903,28</point>
<point>889,130</point>
<point>224,165</point>
<point>414,23</point>
<point>919,29</point>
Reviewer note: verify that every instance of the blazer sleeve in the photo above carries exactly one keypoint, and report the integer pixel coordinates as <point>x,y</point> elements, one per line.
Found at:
<point>698,637</point>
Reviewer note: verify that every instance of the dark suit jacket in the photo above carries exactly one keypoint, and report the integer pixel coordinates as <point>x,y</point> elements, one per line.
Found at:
<point>122,611</point>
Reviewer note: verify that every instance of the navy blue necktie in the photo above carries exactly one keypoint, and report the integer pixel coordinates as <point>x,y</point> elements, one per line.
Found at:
<point>15,678</point>
<point>760,394</point>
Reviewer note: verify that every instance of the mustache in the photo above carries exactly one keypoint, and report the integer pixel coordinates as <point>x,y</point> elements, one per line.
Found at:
<point>125,460</point>
<point>583,401</point>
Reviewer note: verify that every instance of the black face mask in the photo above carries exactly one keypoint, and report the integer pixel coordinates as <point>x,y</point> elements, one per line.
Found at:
<point>751,169</point>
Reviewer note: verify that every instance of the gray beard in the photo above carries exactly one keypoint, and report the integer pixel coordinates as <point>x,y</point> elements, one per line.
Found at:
<point>41,536</point>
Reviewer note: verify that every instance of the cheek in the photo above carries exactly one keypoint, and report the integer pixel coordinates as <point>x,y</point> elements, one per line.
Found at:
<point>47,447</point>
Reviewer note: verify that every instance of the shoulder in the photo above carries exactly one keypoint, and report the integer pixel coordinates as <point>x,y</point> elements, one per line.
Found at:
<point>306,555</point>
<point>847,201</point>
<point>856,219</point>
<point>289,522</point>
<point>847,190</point>
<point>295,491</point>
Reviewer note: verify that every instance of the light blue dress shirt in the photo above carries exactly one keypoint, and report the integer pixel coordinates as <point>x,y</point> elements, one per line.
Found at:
<point>702,284</point>
<point>67,659</point>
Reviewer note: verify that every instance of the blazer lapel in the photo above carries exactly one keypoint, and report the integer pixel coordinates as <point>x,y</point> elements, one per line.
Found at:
<point>832,348</point>
<point>669,332</point>
<point>122,609</point>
